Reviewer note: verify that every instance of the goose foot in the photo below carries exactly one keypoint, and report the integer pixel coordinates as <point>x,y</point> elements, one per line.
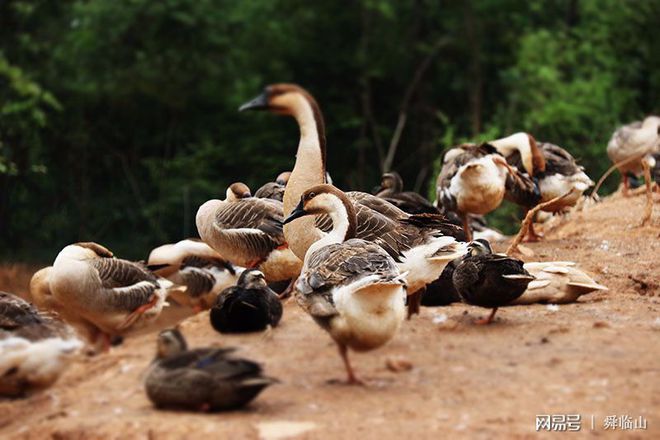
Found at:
<point>485,321</point>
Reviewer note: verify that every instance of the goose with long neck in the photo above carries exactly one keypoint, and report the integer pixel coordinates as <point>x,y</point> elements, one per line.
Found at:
<point>422,244</point>
<point>351,287</point>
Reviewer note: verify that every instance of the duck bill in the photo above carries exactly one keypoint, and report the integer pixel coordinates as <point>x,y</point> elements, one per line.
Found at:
<point>297,213</point>
<point>258,103</point>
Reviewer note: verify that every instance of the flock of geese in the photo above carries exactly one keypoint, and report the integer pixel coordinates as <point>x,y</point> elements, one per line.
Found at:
<point>356,262</point>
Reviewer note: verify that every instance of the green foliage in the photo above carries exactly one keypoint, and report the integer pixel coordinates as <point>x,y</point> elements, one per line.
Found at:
<point>117,119</point>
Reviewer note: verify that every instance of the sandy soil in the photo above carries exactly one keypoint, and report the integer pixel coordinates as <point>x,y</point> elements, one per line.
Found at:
<point>597,357</point>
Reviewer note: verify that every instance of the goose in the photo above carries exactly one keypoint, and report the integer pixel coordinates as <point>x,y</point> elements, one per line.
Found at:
<point>42,297</point>
<point>351,287</point>
<point>201,379</point>
<point>472,181</point>
<point>110,294</point>
<point>195,265</point>
<point>391,189</point>
<point>248,232</point>
<point>490,280</point>
<point>249,306</point>
<point>274,190</point>
<point>630,143</point>
<point>35,347</point>
<point>421,244</point>
<point>557,282</point>
<point>559,176</point>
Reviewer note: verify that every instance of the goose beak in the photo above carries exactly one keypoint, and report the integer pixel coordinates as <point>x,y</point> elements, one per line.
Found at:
<point>258,103</point>
<point>297,213</point>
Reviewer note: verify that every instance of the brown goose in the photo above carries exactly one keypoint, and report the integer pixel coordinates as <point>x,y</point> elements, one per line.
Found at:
<point>274,190</point>
<point>35,347</point>
<point>351,287</point>
<point>391,189</point>
<point>201,379</point>
<point>248,232</point>
<point>421,243</point>
<point>472,181</point>
<point>630,143</point>
<point>195,265</point>
<point>111,294</point>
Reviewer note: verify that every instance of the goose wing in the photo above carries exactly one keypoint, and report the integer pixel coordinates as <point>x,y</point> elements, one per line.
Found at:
<point>255,224</point>
<point>126,285</point>
<point>558,160</point>
<point>270,190</point>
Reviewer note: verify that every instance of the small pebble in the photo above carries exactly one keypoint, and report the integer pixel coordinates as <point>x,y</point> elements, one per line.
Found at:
<point>440,318</point>
<point>601,324</point>
<point>398,364</point>
<point>552,307</point>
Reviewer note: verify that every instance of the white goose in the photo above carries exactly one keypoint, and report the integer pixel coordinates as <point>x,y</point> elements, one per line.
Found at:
<point>248,232</point>
<point>35,347</point>
<point>631,143</point>
<point>352,288</point>
<point>421,243</point>
<point>194,264</point>
<point>112,295</point>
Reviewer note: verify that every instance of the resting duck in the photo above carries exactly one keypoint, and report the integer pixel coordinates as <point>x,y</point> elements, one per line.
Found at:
<point>248,232</point>
<point>489,280</point>
<point>202,379</point>
<point>351,287</point>
<point>274,190</point>
<point>557,282</point>
<point>195,265</point>
<point>472,181</point>
<point>630,143</point>
<point>250,306</point>
<point>391,189</point>
<point>35,347</point>
<point>111,295</point>
<point>422,244</point>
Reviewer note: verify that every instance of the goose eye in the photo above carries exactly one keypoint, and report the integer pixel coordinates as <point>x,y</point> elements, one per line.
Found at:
<point>311,195</point>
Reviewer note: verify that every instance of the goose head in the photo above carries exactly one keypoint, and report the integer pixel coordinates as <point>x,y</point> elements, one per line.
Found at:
<point>237,191</point>
<point>327,199</point>
<point>283,178</point>
<point>283,99</point>
<point>525,144</point>
<point>479,246</point>
<point>85,251</point>
<point>170,342</point>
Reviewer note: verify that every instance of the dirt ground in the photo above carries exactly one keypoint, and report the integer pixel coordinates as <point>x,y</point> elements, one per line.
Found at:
<point>598,357</point>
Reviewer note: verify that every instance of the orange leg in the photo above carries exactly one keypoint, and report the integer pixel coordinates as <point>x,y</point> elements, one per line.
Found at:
<point>488,320</point>
<point>352,378</point>
<point>626,185</point>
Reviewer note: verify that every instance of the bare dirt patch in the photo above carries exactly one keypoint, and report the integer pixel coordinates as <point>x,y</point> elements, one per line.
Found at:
<point>597,357</point>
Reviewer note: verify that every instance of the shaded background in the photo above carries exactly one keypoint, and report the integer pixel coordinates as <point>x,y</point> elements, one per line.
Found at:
<point>118,118</point>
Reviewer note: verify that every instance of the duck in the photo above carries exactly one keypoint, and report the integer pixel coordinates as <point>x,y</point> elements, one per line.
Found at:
<point>249,306</point>
<point>35,347</point>
<point>472,181</point>
<point>113,296</point>
<point>421,244</point>
<point>201,379</point>
<point>351,287</point>
<point>630,143</point>
<point>248,232</point>
<point>391,189</point>
<point>489,280</point>
<point>274,190</point>
<point>195,265</point>
<point>557,282</point>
